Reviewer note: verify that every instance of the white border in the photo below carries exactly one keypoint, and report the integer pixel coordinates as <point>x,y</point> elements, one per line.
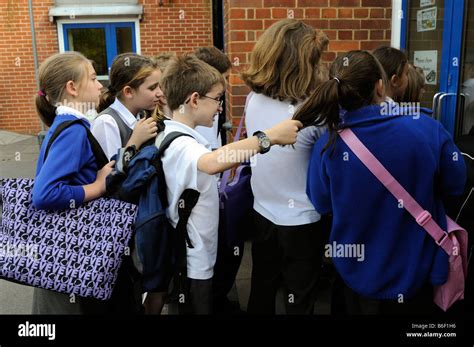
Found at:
<point>61,22</point>
<point>396,23</point>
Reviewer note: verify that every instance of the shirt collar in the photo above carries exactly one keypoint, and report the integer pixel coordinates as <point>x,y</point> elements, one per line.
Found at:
<point>124,113</point>
<point>66,110</point>
<point>173,125</point>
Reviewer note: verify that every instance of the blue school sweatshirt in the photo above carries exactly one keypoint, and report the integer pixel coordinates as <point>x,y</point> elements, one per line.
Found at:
<point>399,255</point>
<point>70,164</point>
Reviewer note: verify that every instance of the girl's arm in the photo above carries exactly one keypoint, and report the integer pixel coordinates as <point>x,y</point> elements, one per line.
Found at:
<point>53,188</point>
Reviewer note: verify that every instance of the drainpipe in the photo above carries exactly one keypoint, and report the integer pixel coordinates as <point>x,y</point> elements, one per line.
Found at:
<point>42,133</point>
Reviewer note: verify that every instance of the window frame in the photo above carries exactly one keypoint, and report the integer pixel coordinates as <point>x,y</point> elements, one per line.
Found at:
<point>111,41</point>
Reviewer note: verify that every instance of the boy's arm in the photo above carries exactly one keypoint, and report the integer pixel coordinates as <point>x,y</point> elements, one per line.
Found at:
<point>234,153</point>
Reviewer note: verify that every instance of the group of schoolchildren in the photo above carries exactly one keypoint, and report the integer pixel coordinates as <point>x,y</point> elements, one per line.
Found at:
<point>296,104</point>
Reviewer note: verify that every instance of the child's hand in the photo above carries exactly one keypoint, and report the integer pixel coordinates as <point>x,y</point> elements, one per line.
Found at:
<point>144,130</point>
<point>102,175</point>
<point>284,133</point>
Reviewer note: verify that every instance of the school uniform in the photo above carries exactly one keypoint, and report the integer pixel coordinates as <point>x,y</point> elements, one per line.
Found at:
<point>181,172</point>
<point>70,165</point>
<point>106,130</point>
<point>400,258</point>
<point>112,136</point>
<point>211,134</point>
<point>287,248</point>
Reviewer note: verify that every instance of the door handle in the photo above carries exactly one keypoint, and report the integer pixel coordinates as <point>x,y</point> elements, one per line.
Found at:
<point>435,103</point>
<point>440,102</point>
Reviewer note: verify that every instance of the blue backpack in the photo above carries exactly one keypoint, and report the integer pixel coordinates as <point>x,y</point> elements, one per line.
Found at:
<point>159,250</point>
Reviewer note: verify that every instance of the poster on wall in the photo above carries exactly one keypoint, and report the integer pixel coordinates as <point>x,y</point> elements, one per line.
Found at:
<point>428,61</point>
<point>424,3</point>
<point>426,19</point>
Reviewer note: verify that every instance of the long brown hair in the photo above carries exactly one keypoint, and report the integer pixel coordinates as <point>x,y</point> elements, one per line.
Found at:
<point>128,69</point>
<point>53,75</point>
<point>416,82</point>
<point>284,61</point>
<point>351,86</point>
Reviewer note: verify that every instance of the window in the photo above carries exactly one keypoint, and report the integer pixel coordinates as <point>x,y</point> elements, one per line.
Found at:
<point>100,42</point>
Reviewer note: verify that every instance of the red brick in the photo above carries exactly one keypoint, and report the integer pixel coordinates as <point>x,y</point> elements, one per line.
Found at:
<point>345,24</point>
<point>361,34</point>
<point>328,13</point>
<point>345,13</point>
<point>377,35</point>
<point>245,3</point>
<point>312,13</point>
<point>348,3</point>
<point>377,13</point>
<point>361,13</point>
<point>375,24</point>
<point>343,45</point>
<point>377,3</point>
<point>279,3</point>
<point>313,3</point>
<point>262,13</point>
<point>345,35</point>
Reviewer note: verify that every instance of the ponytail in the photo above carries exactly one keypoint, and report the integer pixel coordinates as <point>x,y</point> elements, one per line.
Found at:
<point>322,109</point>
<point>45,110</point>
<point>53,74</point>
<point>351,86</point>
<point>128,69</point>
<point>107,98</point>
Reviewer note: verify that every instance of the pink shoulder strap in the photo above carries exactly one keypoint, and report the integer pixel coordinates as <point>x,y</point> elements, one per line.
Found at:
<point>422,217</point>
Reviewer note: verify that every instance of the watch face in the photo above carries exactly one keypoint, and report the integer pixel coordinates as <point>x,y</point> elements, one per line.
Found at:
<point>266,143</point>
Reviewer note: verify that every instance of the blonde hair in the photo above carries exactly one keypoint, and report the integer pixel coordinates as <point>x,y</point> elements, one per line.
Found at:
<point>53,75</point>
<point>186,75</point>
<point>284,61</point>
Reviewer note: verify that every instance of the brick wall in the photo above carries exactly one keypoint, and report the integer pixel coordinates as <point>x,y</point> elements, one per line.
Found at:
<point>178,26</point>
<point>349,24</point>
<point>17,77</point>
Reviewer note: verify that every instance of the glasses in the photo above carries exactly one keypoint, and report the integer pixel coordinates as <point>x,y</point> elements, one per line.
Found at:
<point>219,99</point>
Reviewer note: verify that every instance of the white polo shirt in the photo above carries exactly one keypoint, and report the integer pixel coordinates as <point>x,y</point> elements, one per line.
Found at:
<point>181,172</point>
<point>211,134</point>
<point>106,131</point>
<point>279,176</point>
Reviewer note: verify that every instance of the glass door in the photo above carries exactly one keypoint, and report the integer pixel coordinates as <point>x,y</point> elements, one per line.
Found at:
<point>431,36</point>
<point>465,103</point>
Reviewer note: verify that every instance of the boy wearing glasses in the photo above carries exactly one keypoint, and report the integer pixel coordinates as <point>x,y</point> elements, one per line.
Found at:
<point>216,136</point>
<point>193,90</point>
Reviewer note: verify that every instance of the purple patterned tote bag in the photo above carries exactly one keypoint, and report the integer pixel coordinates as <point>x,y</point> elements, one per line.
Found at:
<point>76,251</point>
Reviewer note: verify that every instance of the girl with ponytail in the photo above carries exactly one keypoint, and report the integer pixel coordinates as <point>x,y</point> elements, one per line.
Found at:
<point>134,88</point>
<point>397,263</point>
<point>69,175</point>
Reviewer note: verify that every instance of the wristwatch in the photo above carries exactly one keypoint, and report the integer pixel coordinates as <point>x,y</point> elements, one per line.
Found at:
<point>263,141</point>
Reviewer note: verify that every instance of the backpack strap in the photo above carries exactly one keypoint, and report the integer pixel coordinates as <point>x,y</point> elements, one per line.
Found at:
<point>422,217</point>
<point>188,198</point>
<point>124,130</point>
<point>100,157</point>
<point>186,203</point>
